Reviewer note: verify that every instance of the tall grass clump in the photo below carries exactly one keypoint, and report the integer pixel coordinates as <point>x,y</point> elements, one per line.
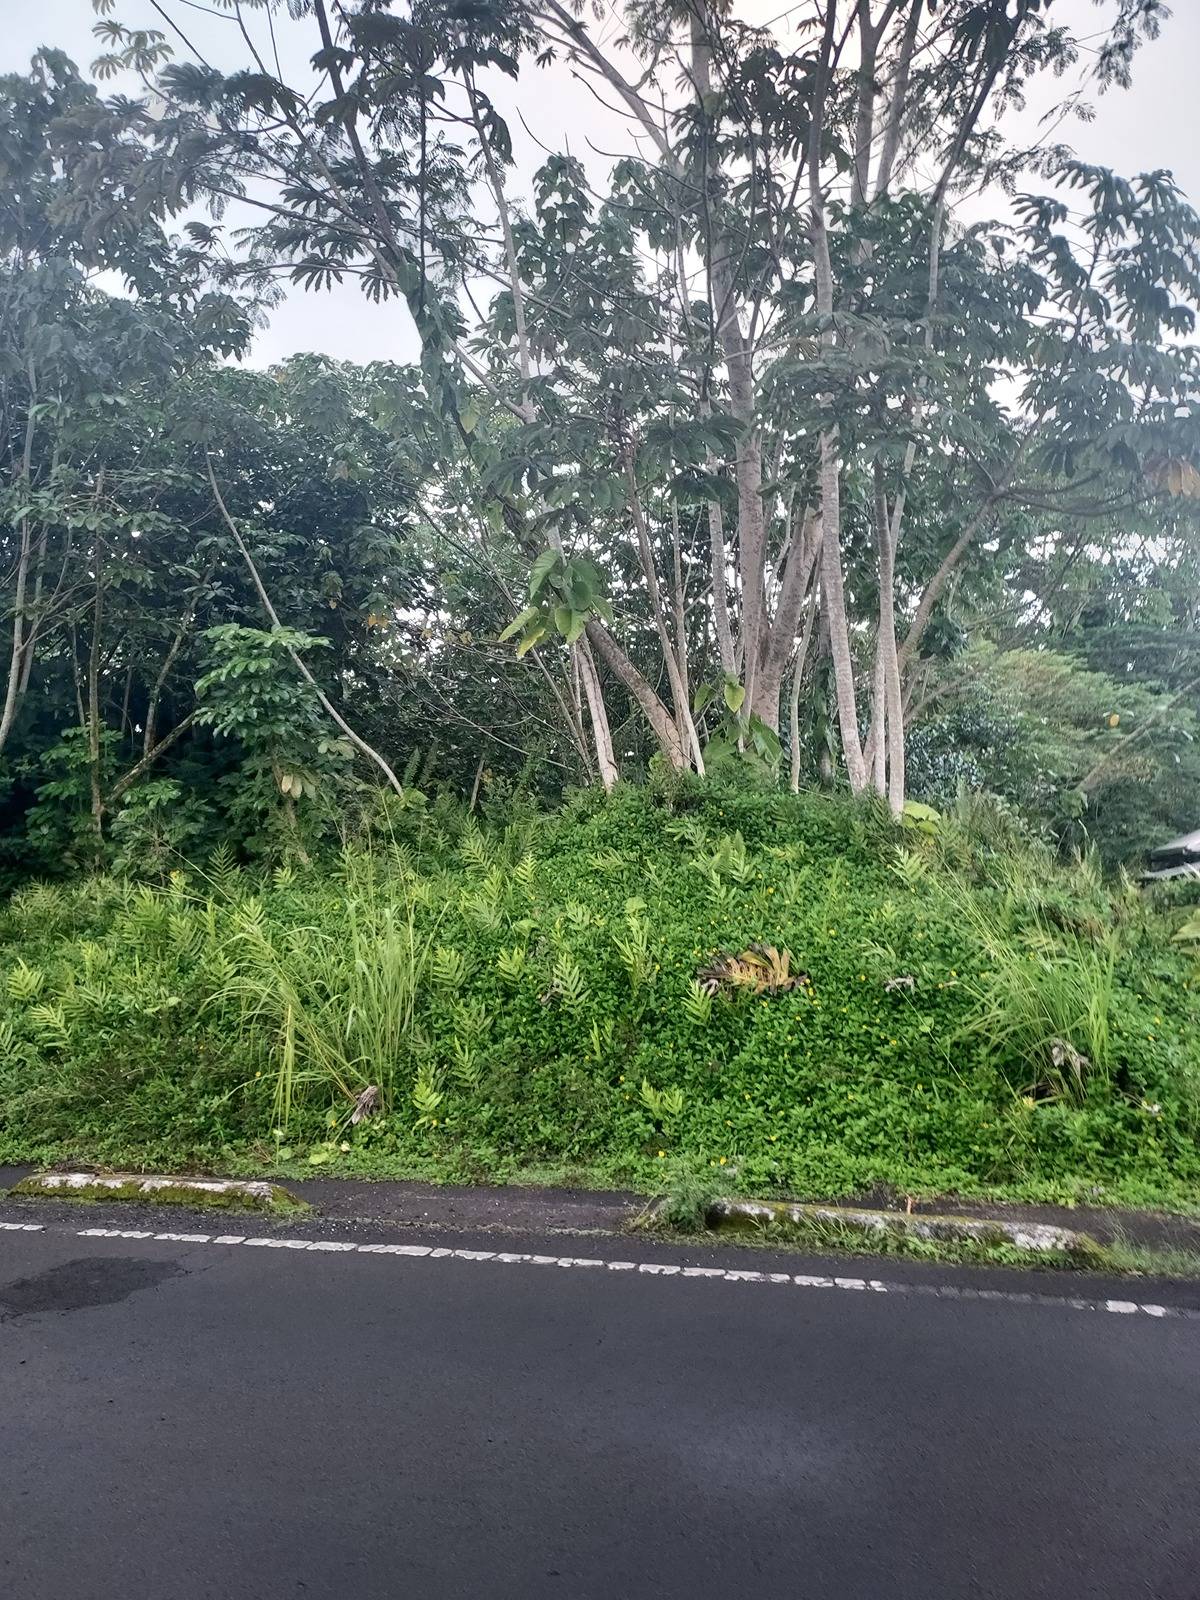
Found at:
<point>1045,999</point>
<point>337,1006</point>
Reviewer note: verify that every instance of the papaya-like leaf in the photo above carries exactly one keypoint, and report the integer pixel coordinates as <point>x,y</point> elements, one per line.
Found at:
<point>520,621</point>
<point>542,571</point>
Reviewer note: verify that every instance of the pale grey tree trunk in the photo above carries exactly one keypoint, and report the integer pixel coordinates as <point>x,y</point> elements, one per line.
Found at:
<point>656,713</point>
<point>606,761</point>
<point>890,746</point>
<point>801,663</point>
<point>20,655</point>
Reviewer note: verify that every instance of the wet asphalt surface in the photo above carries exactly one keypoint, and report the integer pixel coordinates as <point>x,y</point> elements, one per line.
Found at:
<point>198,1421</point>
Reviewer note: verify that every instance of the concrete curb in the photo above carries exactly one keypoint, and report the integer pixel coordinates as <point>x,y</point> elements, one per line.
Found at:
<point>1042,1237</point>
<point>221,1194</point>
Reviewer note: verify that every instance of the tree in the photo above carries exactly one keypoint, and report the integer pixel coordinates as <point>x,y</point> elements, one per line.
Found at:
<point>770,327</point>
<point>74,360</point>
<point>308,490</point>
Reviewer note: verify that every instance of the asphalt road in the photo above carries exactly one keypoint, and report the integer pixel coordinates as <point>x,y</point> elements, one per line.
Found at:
<point>195,1420</point>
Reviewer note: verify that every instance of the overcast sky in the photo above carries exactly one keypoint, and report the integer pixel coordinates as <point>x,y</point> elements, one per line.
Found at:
<point>1153,124</point>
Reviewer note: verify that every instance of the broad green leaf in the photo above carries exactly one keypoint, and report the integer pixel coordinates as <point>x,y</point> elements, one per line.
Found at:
<point>540,572</point>
<point>765,740</point>
<point>735,695</point>
<point>520,621</point>
<point>533,637</point>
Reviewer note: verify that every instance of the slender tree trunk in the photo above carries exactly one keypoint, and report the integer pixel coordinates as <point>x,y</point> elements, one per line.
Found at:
<point>126,725</point>
<point>720,263</point>
<point>475,786</point>
<point>833,608</point>
<point>875,749</point>
<point>606,761</point>
<point>685,727</point>
<point>150,732</point>
<point>936,586</point>
<point>899,94</point>
<point>17,656</point>
<point>34,611</point>
<point>864,121</point>
<point>679,608</point>
<point>794,729</point>
<point>799,571</point>
<point>720,593</point>
<point>18,665</point>
<point>95,754</point>
<point>323,699</point>
<point>797,682</point>
<point>890,751</point>
<point>77,676</point>
<point>148,759</point>
<point>660,719</point>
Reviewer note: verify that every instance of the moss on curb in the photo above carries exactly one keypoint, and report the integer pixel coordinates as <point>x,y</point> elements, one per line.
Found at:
<point>903,1232</point>
<point>208,1194</point>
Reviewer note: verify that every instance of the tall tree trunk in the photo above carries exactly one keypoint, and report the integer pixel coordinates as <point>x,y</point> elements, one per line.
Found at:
<point>679,617</point>
<point>894,121</point>
<point>95,752</point>
<point>720,263</point>
<point>864,121</point>
<point>834,610</point>
<point>685,727</point>
<point>794,699</point>
<point>799,572</point>
<point>660,719</point>
<point>18,664</point>
<point>606,761</point>
<point>891,709</point>
<point>720,593</point>
<point>875,749</point>
<point>833,593</point>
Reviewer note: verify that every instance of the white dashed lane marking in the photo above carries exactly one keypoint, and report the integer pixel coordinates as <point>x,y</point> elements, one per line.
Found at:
<point>662,1269</point>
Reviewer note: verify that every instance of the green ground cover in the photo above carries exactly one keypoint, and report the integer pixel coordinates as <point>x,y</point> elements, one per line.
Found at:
<point>791,994</point>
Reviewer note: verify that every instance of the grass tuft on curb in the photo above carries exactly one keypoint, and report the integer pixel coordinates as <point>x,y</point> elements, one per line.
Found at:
<point>692,1210</point>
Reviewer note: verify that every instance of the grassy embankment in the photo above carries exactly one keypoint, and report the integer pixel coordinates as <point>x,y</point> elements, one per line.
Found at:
<point>578,997</point>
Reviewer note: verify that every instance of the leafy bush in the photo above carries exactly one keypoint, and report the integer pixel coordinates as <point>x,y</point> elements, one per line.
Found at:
<point>923,1012</point>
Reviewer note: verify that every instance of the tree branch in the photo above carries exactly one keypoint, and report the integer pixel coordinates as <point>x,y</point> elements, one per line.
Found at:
<point>331,710</point>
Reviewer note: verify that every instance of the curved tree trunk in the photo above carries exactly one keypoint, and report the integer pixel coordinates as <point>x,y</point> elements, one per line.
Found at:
<point>660,719</point>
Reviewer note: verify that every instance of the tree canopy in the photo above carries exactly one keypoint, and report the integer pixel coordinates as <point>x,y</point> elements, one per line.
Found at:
<point>835,437</point>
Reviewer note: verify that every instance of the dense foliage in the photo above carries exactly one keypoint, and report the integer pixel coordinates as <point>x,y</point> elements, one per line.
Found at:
<point>757,455</point>
<point>793,991</point>
<point>702,710</point>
